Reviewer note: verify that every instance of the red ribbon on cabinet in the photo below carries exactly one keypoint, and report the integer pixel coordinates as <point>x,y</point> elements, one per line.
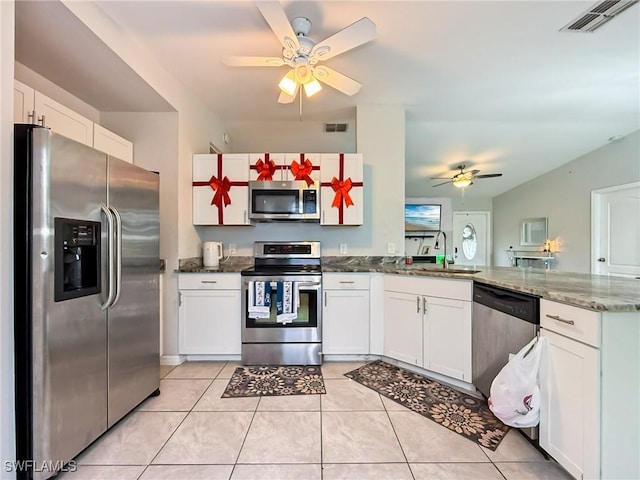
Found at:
<point>265,169</point>
<point>341,187</point>
<point>221,186</point>
<point>302,170</point>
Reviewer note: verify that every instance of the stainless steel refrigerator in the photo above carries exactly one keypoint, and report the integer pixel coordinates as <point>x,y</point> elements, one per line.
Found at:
<point>86,295</point>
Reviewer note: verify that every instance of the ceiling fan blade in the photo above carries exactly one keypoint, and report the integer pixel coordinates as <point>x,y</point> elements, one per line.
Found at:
<point>279,23</point>
<point>252,61</point>
<point>489,175</point>
<point>473,172</point>
<point>334,79</point>
<point>443,183</point>
<point>285,98</point>
<point>356,34</point>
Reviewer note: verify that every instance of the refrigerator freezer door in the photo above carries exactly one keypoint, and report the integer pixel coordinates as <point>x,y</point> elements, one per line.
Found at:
<point>68,338</point>
<point>133,329</point>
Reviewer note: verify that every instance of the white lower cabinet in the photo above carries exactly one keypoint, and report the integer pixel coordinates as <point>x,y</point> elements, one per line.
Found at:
<point>345,314</point>
<point>427,322</point>
<point>209,314</point>
<point>569,424</point>
<point>403,327</point>
<point>589,390</point>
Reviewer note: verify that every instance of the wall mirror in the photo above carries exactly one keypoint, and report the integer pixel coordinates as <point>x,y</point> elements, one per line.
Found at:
<point>533,231</point>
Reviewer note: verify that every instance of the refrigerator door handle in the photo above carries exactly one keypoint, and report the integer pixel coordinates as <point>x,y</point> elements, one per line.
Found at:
<point>110,254</point>
<point>118,221</point>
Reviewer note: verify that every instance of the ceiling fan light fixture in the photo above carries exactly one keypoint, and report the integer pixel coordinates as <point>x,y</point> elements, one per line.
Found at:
<point>312,87</point>
<point>462,182</point>
<point>288,83</point>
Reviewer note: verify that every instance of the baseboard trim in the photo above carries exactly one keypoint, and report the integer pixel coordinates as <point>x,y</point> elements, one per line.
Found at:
<point>172,359</point>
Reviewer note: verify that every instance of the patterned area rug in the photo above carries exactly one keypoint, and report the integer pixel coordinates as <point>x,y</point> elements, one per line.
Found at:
<point>264,381</point>
<point>461,413</point>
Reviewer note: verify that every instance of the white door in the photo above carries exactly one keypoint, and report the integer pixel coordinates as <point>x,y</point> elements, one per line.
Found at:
<point>615,231</point>
<point>471,238</point>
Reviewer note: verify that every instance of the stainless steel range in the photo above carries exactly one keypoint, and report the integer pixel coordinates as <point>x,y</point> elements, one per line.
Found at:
<point>281,304</point>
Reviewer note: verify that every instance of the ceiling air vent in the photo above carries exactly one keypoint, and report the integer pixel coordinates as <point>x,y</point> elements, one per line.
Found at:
<point>335,127</point>
<point>597,15</point>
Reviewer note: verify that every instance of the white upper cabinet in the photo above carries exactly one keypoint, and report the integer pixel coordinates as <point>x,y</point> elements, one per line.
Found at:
<point>221,189</point>
<point>267,166</point>
<point>108,142</point>
<point>63,120</point>
<point>302,167</point>
<point>341,192</point>
<point>23,106</point>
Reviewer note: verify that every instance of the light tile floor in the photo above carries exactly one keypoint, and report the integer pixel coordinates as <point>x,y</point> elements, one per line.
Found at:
<point>351,432</point>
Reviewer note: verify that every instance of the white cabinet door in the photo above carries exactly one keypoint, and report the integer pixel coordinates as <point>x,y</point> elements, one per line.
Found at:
<point>63,120</point>
<point>221,189</point>
<point>403,327</point>
<point>345,322</point>
<point>447,337</point>
<point>569,392</point>
<point>209,322</point>
<point>302,167</point>
<point>346,205</point>
<point>108,142</point>
<point>23,103</point>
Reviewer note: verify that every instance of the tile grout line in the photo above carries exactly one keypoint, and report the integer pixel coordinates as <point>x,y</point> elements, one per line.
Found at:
<point>397,437</point>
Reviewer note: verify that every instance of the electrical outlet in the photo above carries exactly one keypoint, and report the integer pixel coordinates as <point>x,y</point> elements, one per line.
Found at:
<point>232,249</point>
<point>343,249</point>
<point>391,247</point>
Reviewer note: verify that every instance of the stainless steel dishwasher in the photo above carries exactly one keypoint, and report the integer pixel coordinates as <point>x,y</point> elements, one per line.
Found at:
<point>503,322</point>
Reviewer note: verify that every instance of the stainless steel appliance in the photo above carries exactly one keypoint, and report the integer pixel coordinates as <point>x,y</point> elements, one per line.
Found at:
<point>266,341</point>
<point>503,322</point>
<point>277,200</point>
<point>86,295</point>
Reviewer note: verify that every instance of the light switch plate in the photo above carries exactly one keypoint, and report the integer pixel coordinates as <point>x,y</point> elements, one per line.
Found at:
<point>343,249</point>
<point>391,247</point>
<point>232,249</point>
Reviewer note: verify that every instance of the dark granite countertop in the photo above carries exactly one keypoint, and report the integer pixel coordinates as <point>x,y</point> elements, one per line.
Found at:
<point>595,292</point>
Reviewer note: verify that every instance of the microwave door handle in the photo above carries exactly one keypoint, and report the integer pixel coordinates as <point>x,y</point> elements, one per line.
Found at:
<point>110,257</point>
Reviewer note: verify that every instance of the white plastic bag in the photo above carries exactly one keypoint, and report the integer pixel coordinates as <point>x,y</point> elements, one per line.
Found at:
<point>515,394</point>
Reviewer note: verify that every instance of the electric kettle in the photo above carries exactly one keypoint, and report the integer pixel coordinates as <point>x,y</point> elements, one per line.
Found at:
<point>211,254</point>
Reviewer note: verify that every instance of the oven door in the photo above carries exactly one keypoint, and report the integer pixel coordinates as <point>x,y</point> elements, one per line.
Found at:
<point>307,327</point>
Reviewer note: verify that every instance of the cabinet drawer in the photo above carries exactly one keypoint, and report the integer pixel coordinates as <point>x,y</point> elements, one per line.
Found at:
<point>573,322</point>
<point>433,287</point>
<point>209,281</point>
<point>344,281</point>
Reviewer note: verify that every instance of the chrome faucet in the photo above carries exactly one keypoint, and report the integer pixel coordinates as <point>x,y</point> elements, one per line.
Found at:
<point>436,246</point>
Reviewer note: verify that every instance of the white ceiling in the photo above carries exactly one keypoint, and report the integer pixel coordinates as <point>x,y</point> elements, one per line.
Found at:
<point>493,85</point>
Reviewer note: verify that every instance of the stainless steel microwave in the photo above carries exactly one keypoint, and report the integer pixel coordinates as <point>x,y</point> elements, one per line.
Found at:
<point>278,200</point>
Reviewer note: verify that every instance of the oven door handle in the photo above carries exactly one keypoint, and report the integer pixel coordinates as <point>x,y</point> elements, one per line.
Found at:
<point>309,284</point>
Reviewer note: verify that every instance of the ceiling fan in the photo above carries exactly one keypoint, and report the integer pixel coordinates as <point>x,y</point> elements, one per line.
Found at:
<point>464,179</point>
<point>303,56</point>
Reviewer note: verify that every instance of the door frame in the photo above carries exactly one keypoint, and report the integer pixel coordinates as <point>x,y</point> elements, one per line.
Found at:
<point>596,196</point>
<point>487,214</point>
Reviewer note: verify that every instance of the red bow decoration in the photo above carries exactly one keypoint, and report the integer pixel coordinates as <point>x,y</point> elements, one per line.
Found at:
<point>342,192</point>
<point>265,169</point>
<point>302,170</point>
<point>221,188</point>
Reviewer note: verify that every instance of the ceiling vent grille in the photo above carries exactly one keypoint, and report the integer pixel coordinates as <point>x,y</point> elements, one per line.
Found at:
<point>597,15</point>
<point>335,127</point>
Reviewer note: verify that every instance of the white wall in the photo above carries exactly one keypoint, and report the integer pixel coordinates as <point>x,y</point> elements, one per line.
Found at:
<point>7,439</point>
<point>564,197</point>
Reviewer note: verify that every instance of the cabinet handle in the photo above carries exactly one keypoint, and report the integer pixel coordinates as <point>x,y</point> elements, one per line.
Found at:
<point>325,299</point>
<point>559,319</point>
<point>179,299</point>
<point>31,116</point>
<point>424,305</point>
<point>41,121</point>
<point>417,304</point>
<point>208,281</point>
<point>246,220</point>
<point>323,216</point>
<point>347,281</point>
